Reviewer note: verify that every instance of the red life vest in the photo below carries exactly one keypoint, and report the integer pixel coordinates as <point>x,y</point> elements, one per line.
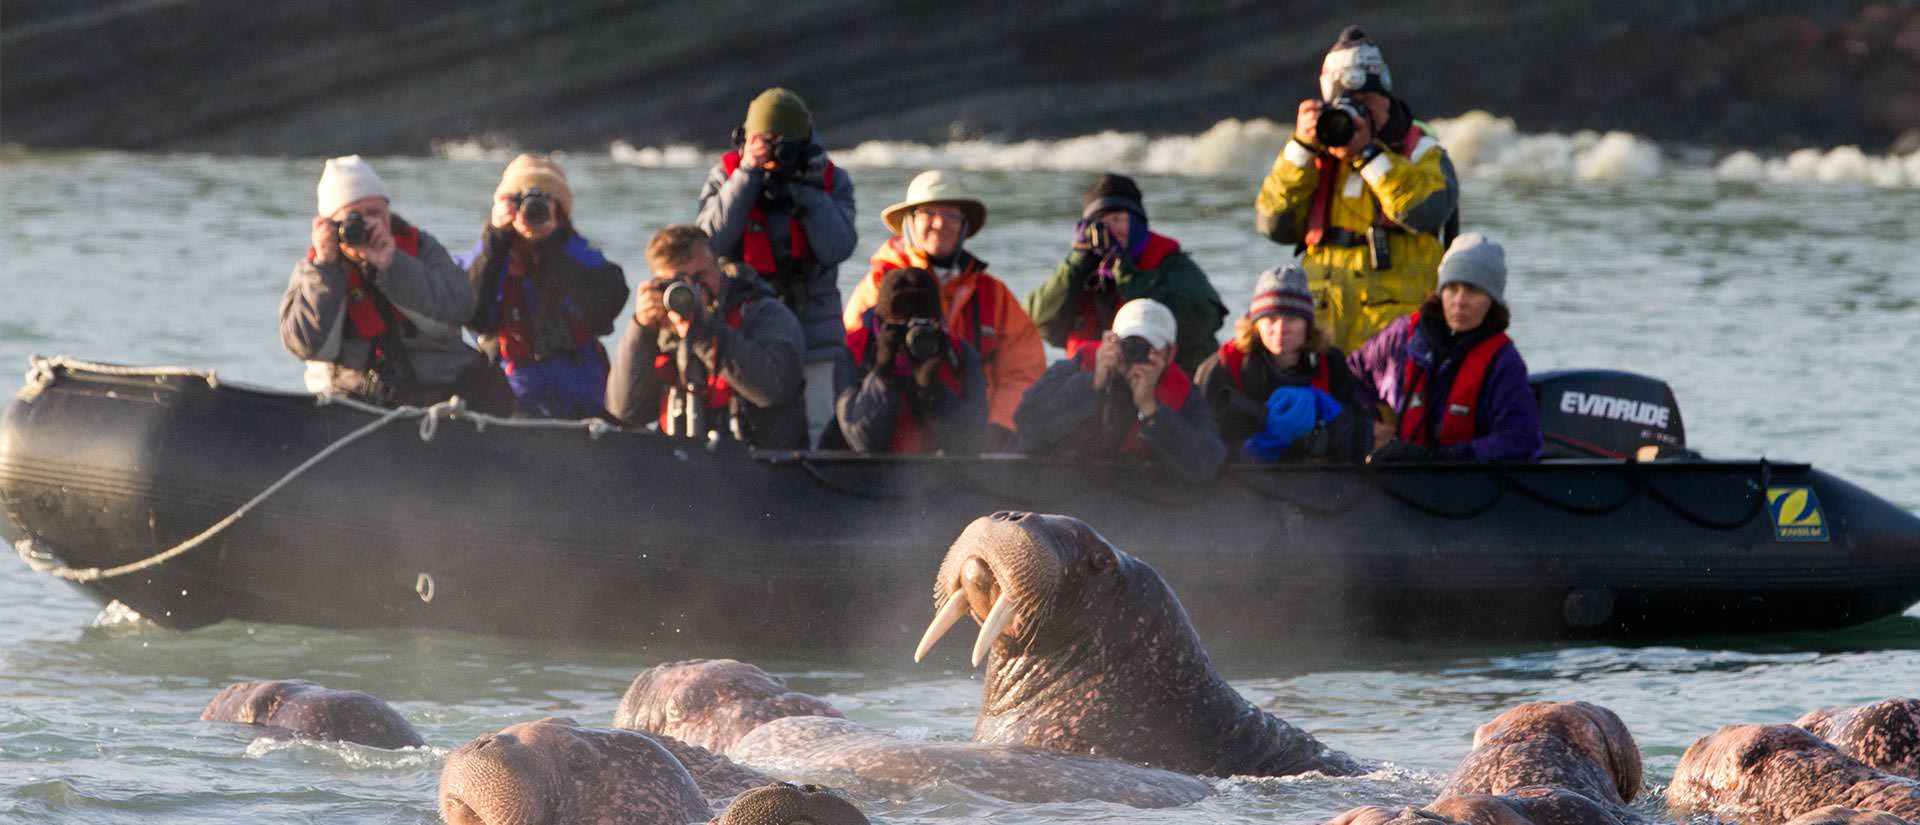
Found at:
<point>981,317</point>
<point>1091,324</point>
<point>1235,360</point>
<point>363,314</point>
<point>516,329</point>
<point>1462,416</point>
<point>1171,394</point>
<point>719,392</point>
<point>1321,212</point>
<point>908,436</point>
<point>756,244</point>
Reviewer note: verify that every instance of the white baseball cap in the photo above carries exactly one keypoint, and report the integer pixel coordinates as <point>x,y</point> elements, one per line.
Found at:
<point>1148,319</point>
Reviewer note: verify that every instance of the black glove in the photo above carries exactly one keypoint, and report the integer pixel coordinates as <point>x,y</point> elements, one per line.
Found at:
<point>1397,450</point>
<point>813,167</point>
<point>886,346</point>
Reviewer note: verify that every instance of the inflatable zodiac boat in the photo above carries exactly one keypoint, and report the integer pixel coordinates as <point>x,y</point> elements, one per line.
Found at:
<point>194,501</point>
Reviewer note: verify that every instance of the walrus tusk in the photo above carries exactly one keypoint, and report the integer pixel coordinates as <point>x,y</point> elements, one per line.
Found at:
<point>997,620</point>
<point>943,621</point>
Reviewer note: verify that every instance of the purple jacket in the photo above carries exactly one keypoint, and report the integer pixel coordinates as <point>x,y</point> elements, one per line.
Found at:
<point>1507,427</point>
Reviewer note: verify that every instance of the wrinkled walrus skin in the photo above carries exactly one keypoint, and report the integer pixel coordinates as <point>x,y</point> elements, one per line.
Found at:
<point>784,803</point>
<point>1526,806</point>
<point>1093,654</point>
<point>1883,734</point>
<point>305,709</point>
<point>710,702</point>
<point>1767,774</point>
<point>1574,746</point>
<point>1836,815</point>
<point>553,772</point>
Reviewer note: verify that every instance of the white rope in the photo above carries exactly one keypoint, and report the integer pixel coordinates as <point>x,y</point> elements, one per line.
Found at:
<point>45,370</point>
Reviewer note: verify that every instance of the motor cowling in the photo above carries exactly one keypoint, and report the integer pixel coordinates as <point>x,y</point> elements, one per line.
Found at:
<point>1607,414</point>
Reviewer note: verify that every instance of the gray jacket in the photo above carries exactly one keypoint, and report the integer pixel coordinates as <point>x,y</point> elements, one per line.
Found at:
<point>760,362</point>
<point>429,289</point>
<point>727,200</point>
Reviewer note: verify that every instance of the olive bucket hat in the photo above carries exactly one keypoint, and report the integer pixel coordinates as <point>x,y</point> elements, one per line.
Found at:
<point>933,187</point>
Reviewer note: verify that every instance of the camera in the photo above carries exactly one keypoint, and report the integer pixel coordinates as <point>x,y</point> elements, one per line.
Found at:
<point>924,339</point>
<point>1135,350</point>
<point>1337,120</point>
<point>536,206</point>
<point>790,155</point>
<point>682,298</point>
<point>353,231</point>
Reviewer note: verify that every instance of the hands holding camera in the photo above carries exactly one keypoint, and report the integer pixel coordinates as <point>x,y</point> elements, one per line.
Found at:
<point>334,239</point>
<point>669,303</point>
<point>529,213</point>
<point>798,160</point>
<point>1319,123</point>
<point>921,340</point>
<point>1133,365</point>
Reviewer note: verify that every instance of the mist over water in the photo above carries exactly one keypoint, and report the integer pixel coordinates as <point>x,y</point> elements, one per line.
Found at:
<point>1779,297</point>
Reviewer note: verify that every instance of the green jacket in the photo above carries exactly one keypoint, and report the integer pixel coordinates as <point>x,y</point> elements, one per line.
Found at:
<point>1065,316</point>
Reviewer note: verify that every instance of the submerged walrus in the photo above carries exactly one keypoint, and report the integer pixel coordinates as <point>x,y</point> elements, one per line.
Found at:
<point>553,772</point>
<point>302,708</point>
<point>1526,806</point>
<point>1093,654</point>
<point>1764,774</point>
<point>784,803</point>
<point>1883,734</point>
<point>710,702</point>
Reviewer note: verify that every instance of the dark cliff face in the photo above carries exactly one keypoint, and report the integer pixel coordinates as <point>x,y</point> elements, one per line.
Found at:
<point>371,76</point>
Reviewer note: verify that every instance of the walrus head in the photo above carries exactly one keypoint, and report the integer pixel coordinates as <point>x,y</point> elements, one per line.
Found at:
<point>306,709</point>
<point>553,771</point>
<point>785,803</point>
<point>1593,732</point>
<point>710,702</point>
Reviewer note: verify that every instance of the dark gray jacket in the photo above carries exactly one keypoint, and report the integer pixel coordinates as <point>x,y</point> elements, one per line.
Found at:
<point>1062,414</point>
<point>727,200</point>
<point>866,413</point>
<point>429,289</point>
<point>760,361</point>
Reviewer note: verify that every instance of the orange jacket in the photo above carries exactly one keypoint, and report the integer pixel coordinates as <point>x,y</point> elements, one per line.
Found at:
<point>981,311</point>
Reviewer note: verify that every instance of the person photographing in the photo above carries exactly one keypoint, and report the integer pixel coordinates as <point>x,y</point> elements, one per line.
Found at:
<point>376,305</point>
<point>1124,394</point>
<point>1365,192</point>
<point>708,355</point>
<point>918,388</point>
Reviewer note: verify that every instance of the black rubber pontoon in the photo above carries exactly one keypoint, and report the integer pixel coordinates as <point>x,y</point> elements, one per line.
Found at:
<point>634,537</point>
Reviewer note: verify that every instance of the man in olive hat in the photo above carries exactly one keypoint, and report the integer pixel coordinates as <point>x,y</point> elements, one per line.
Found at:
<point>778,205</point>
<point>1365,191</point>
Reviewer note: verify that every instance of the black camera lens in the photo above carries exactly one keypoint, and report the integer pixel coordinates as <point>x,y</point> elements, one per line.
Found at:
<point>1135,350</point>
<point>789,154</point>
<point>536,206</point>
<point>925,340</point>
<point>682,299</point>
<point>1336,124</point>
<point>353,231</point>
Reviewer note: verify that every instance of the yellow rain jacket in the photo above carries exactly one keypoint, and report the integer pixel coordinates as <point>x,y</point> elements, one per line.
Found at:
<point>1410,190</point>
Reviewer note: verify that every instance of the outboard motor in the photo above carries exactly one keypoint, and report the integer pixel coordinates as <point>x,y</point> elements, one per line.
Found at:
<point>1607,414</point>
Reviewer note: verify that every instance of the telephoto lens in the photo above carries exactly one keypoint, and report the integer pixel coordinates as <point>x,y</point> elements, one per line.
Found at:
<point>353,231</point>
<point>682,299</point>
<point>1335,127</point>
<point>924,340</point>
<point>536,207</point>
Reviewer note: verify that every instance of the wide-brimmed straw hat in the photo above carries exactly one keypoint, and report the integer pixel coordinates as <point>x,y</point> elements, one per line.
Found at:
<point>931,188</point>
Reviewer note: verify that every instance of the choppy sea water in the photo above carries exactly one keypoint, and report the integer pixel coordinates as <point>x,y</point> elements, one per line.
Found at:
<point>1782,306</point>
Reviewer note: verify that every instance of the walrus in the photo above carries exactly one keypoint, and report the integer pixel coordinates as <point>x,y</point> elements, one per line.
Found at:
<point>553,771</point>
<point>710,702</point>
<point>1837,815</point>
<point>300,708</point>
<point>784,803</point>
<point>870,762</point>
<point>1525,806</point>
<point>1093,654</point>
<point>1764,774</point>
<point>1883,734</point>
<point>1574,746</point>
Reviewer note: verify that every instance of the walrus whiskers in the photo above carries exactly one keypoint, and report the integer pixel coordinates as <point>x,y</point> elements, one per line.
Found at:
<point>997,620</point>
<point>943,621</point>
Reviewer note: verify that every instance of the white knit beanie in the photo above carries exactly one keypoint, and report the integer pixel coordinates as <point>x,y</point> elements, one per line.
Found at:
<point>348,179</point>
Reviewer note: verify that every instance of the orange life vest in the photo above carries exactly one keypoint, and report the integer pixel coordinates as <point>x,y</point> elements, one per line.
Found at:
<point>1092,324</point>
<point>1321,213</point>
<point>756,244</point>
<point>1235,360</point>
<point>719,392</point>
<point>1461,417</point>
<point>1171,394</point>
<point>909,437</point>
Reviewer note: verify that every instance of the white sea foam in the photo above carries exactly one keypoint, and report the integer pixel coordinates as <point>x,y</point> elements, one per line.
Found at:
<point>677,156</point>
<point>485,147</point>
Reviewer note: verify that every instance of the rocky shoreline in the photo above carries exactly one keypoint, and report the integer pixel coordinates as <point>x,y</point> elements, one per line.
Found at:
<point>361,75</point>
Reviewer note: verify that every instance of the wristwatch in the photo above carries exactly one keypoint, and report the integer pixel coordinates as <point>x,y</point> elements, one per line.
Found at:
<point>1369,152</point>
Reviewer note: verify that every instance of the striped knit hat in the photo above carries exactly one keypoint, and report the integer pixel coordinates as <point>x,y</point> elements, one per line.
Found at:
<point>1281,291</point>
